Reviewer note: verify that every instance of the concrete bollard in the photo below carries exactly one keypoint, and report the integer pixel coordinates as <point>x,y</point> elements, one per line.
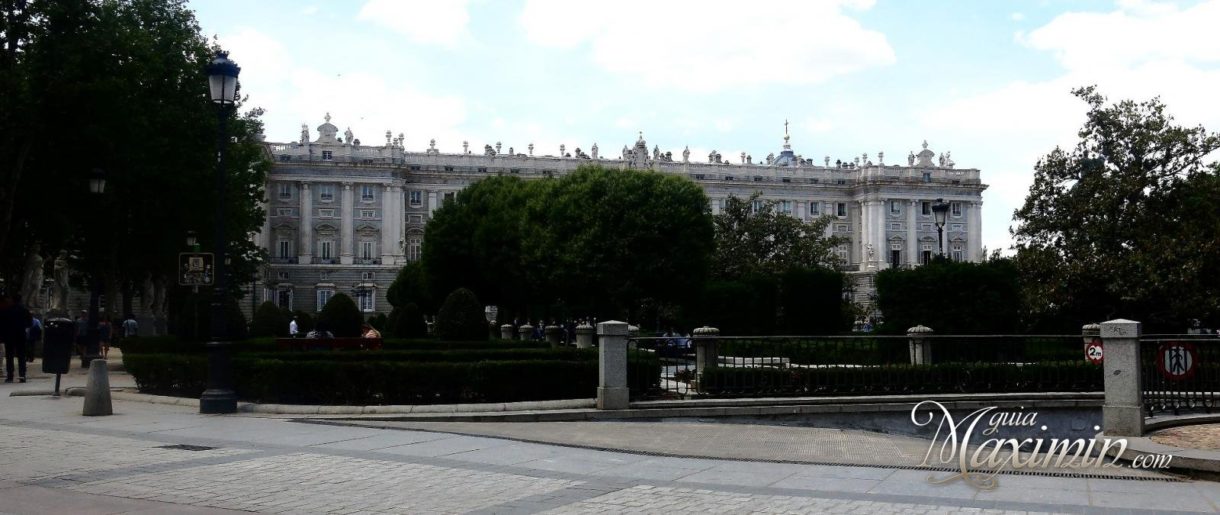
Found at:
<point>553,334</point>
<point>612,392</point>
<point>920,347</point>
<point>584,336</point>
<point>1122,413</point>
<point>97,390</point>
<point>705,349</point>
<point>526,332</point>
<point>506,332</point>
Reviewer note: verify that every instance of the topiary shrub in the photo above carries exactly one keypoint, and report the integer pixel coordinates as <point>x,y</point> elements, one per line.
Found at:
<point>380,323</point>
<point>408,322</point>
<point>461,317</point>
<point>268,321</point>
<point>341,316</point>
<point>304,322</point>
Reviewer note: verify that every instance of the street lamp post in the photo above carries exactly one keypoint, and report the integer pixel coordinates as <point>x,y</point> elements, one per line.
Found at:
<point>219,396</point>
<point>93,350</point>
<point>940,210</point>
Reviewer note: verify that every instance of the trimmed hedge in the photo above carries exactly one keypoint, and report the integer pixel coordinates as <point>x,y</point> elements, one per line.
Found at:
<point>386,382</point>
<point>429,355</point>
<point>903,379</point>
<point>172,345</point>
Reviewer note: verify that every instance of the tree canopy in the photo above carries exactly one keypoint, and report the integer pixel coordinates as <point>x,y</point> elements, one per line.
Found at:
<point>1125,223</point>
<point>753,236</point>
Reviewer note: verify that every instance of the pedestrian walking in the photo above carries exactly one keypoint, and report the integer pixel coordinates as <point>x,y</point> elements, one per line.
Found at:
<point>14,321</point>
<point>293,329</point>
<point>131,328</point>
<point>104,334</point>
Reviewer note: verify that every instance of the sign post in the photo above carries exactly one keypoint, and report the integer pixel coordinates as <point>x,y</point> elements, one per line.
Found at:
<point>1094,351</point>
<point>1177,360</point>
<point>196,268</point>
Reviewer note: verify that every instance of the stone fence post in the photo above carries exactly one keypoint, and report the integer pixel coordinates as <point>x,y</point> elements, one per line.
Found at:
<point>584,336</point>
<point>506,332</point>
<point>525,332</point>
<point>612,390</point>
<point>705,349</point>
<point>633,332</point>
<point>553,333</point>
<point>1122,414</point>
<point>920,347</point>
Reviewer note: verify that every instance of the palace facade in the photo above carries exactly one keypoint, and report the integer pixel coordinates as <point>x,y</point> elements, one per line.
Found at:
<point>343,217</point>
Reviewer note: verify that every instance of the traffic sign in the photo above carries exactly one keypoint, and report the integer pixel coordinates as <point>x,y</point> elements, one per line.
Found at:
<point>1093,351</point>
<point>1177,360</point>
<point>196,268</point>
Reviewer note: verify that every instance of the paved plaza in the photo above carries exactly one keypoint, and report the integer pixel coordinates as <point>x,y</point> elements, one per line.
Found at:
<point>151,458</point>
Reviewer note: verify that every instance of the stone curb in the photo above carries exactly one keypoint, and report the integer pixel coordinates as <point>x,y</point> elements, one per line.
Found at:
<point>1184,459</point>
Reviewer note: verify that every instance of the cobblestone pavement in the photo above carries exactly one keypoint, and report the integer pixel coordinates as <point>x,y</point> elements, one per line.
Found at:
<point>52,460</point>
<point>1202,436</point>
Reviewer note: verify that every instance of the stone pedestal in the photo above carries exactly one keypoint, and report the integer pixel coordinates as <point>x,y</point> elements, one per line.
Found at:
<point>506,332</point>
<point>526,332</point>
<point>920,346</point>
<point>584,336</point>
<point>705,349</point>
<point>1122,413</point>
<point>553,335</point>
<point>612,390</point>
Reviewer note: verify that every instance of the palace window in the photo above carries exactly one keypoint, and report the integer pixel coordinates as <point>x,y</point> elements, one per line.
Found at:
<point>841,251</point>
<point>815,208</point>
<point>895,257</point>
<point>415,248</point>
<point>958,252</point>
<point>365,298</point>
<point>368,249</point>
<point>955,208</point>
<point>284,298</point>
<point>449,197</point>
<point>366,193</point>
<point>324,297</point>
<point>925,208</point>
<point>283,211</point>
<point>285,191</point>
<point>327,155</point>
<point>895,227</point>
<point>326,249</point>
<point>841,209</point>
<point>417,198</point>
<point>756,206</point>
<point>448,168</point>
<point>326,192</point>
<point>895,207</point>
<point>368,276</point>
<point>283,248</point>
<point>785,207</point>
<point>326,213</point>
<point>368,214</point>
<point>927,177</point>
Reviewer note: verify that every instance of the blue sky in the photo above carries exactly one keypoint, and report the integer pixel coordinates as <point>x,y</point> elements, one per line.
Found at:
<point>988,81</point>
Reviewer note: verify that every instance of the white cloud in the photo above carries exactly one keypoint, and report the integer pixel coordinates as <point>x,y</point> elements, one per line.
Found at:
<point>710,45</point>
<point>1138,51</point>
<point>294,93</point>
<point>1017,16</point>
<point>423,21</point>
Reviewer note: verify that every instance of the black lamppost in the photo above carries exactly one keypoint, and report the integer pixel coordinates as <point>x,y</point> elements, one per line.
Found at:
<point>940,210</point>
<point>220,397</point>
<point>93,350</point>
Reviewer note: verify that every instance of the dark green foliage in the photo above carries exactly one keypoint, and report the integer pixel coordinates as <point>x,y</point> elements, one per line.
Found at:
<point>1124,224</point>
<point>904,379</point>
<point>524,245</point>
<point>269,321</point>
<point>754,238</point>
<point>191,318</point>
<point>386,382</point>
<point>461,317</point>
<point>341,316</point>
<point>811,301</point>
<point>802,301</point>
<point>380,322</point>
<point>952,297</point>
<point>305,321</point>
<point>410,286</point>
<point>407,322</point>
<point>486,353</point>
<point>894,350</point>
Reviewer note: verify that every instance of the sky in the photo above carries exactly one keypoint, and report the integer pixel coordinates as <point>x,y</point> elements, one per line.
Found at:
<point>988,81</point>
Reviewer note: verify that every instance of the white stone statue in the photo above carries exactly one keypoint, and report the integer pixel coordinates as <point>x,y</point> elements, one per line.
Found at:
<point>826,160</point>
<point>432,144</point>
<point>881,158</point>
<point>911,159</point>
<point>304,134</point>
<point>561,149</point>
<point>31,280</point>
<point>348,137</point>
<point>531,148</point>
<point>465,147</point>
<point>771,158</point>
<point>594,154</point>
<point>59,298</point>
<point>686,154</point>
<point>656,153</point>
<point>948,160</point>
<point>497,148</point>
<point>869,249</point>
<point>941,160</point>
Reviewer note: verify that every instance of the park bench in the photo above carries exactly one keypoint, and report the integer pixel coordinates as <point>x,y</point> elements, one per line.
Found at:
<point>347,343</point>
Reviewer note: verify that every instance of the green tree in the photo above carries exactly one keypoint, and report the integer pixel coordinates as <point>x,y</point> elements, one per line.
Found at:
<point>408,322</point>
<point>268,321</point>
<point>341,316</point>
<point>1123,224</point>
<point>952,297</point>
<point>461,317</point>
<point>411,286</point>
<point>753,236</point>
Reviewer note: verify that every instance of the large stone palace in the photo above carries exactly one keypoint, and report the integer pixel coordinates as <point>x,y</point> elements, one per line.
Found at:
<point>344,216</point>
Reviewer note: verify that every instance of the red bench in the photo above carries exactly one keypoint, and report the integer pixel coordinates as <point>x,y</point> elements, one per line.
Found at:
<point>347,343</point>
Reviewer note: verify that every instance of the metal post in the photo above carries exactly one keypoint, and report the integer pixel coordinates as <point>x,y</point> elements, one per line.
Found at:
<point>92,347</point>
<point>219,397</point>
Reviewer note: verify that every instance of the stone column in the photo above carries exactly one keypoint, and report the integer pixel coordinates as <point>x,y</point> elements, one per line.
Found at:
<point>715,205</point>
<point>388,237</point>
<point>267,240</point>
<point>1122,413</point>
<point>526,332</point>
<point>862,238</point>
<point>801,206</point>
<point>880,224</point>
<point>553,333</point>
<point>400,226</point>
<point>305,247</point>
<point>912,233</point>
<point>612,392</point>
<point>347,230</point>
<point>705,349</point>
<point>431,203</point>
<point>506,332</point>
<point>920,347</point>
<point>584,336</point>
<point>974,240</point>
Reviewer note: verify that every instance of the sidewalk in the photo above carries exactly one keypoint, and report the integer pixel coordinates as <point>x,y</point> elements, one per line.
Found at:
<point>169,459</point>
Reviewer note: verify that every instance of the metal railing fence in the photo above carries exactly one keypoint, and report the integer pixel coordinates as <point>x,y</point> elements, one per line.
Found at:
<point>1180,373</point>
